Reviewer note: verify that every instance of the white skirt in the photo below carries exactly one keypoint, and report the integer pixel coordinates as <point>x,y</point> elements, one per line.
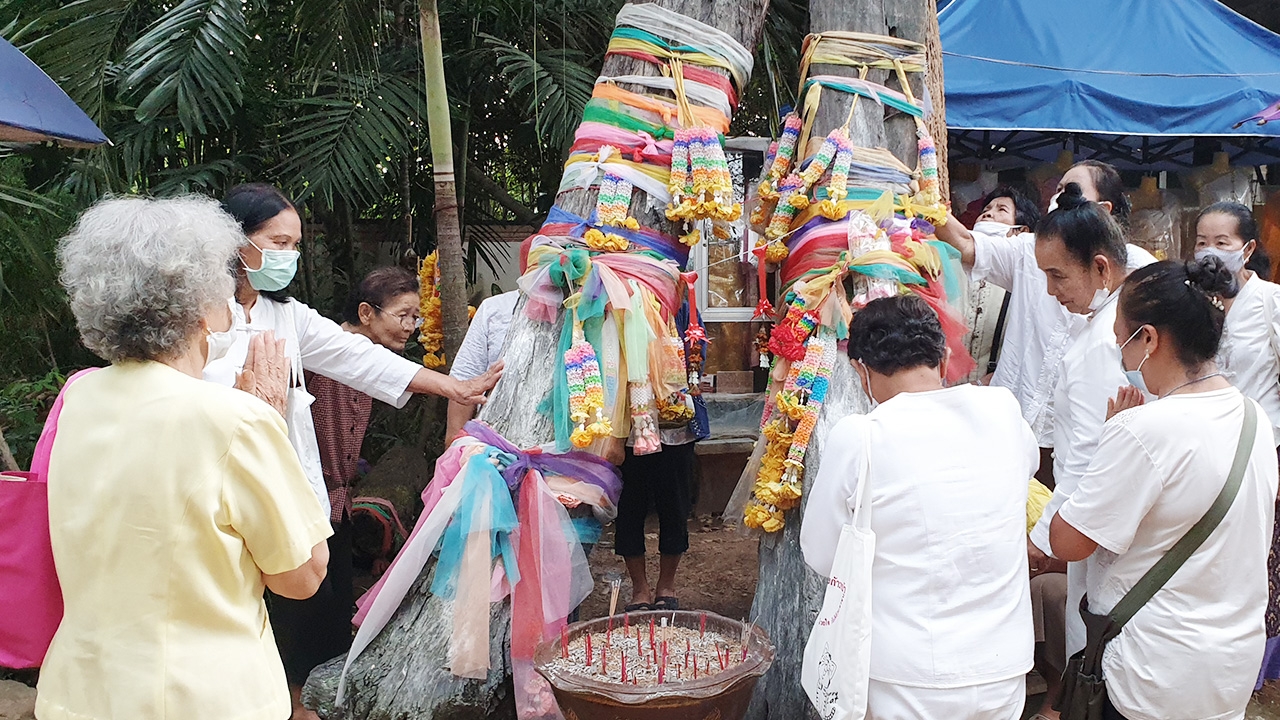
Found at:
<point>1001,700</point>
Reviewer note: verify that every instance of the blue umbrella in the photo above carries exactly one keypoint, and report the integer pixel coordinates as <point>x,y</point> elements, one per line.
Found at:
<point>34,109</point>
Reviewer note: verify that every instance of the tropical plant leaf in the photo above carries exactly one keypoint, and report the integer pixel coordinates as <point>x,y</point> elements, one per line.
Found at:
<point>556,83</point>
<point>204,177</point>
<point>190,59</point>
<point>343,141</point>
<point>75,44</point>
<point>337,35</point>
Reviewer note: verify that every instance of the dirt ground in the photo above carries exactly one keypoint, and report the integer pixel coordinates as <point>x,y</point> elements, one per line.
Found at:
<point>718,573</point>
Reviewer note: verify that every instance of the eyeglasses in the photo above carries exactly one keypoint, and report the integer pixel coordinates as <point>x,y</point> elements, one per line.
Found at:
<point>409,319</point>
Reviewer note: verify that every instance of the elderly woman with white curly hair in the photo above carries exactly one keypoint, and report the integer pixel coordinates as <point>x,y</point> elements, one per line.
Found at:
<point>172,501</point>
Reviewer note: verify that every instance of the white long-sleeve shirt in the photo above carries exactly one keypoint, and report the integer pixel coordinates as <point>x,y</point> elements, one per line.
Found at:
<point>320,345</point>
<point>1037,328</point>
<point>1250,338</point>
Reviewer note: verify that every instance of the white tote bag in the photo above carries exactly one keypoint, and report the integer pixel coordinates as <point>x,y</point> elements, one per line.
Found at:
<point>837,658</point>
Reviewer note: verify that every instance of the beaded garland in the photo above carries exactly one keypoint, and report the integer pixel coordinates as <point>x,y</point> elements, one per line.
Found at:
<point>586,392</point>
<point>797,202</point>
<point>701,186</point>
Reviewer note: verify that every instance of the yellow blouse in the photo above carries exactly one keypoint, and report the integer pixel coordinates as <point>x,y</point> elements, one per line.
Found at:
<point>169,497</point>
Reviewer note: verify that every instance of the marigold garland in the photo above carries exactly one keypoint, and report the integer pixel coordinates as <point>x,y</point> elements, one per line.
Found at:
<point>780,479</point>
<point>431,335</point>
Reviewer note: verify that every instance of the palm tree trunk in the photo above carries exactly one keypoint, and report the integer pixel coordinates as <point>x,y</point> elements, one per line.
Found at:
<point>453,279</point>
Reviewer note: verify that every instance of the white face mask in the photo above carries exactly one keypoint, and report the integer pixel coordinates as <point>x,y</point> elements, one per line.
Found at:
<point>220,342</point>
<point>1099,299</point>
<point>991,227</point>
<point>1053,202</point>
<point>1233,259</point>
<point>866,386</point>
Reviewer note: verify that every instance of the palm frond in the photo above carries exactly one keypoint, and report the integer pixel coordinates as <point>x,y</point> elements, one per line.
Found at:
<point>190,59</point>
<point>203,178</point>
<point>556,83</point>
<point>75,45</point>
<point>345,139</point>
<point>336,35</point>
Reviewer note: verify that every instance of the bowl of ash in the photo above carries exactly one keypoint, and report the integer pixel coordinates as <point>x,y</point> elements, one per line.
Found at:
<point>655,665</point>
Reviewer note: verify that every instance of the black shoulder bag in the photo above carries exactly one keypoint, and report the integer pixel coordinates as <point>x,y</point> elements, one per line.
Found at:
<point>1084,690</point>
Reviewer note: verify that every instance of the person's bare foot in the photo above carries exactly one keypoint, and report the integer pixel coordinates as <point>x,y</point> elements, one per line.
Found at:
<point>641,597</point>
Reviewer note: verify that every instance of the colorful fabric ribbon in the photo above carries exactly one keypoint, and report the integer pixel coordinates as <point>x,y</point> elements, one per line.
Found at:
<point>470,516</point>
<point>668,34</point>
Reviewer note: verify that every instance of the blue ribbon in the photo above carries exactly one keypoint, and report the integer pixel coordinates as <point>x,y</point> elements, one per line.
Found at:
<point>481,482</point>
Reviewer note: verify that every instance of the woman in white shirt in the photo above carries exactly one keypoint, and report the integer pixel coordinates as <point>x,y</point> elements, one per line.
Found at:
<point>1037,330</point>
<point>951,607</point>
<point>1248,355</point>
<point>1193,650</point>
<point>264,268</point>
<point>1081,251</point>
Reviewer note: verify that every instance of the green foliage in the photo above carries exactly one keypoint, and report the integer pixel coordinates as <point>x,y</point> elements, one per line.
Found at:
<point>324,98</point>
<point>23,407</point>
<point>190,59</point>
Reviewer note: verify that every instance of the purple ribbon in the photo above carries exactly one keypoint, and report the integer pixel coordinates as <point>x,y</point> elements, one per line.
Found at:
<point>581,466</point>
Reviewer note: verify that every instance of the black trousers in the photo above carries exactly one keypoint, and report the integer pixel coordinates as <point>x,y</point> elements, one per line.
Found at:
<point>662,481</point>
<point>312,631</point>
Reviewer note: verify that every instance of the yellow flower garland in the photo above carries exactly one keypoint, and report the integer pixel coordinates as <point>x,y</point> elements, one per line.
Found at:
<point>432,333</point>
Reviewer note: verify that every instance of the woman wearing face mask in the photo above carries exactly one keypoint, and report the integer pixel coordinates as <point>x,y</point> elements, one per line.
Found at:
<point>1081,251</point>
<point>172,501</point>
<point>264,268</point>
<point>951,629</point>
<point>384,309</point>
<point>1191,651</point>
<point>1037,328</point>
<point>1248,355</point>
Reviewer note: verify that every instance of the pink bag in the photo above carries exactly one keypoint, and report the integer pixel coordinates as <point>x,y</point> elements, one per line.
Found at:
<point>30,597</point>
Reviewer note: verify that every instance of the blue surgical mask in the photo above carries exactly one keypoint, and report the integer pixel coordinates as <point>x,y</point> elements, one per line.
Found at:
<point>1135,376</point>
<point>277,271</point>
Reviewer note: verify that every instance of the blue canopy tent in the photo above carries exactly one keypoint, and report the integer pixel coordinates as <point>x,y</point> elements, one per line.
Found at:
<point>1141,84</point>
<point>34,109</point>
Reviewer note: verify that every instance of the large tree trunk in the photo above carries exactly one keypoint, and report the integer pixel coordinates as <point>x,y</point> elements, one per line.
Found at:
<point>789,594</point>
<point>401,674</point>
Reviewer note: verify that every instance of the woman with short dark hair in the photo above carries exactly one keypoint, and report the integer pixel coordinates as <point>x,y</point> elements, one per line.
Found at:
<point>948,467</point>
<point>1193,649</point>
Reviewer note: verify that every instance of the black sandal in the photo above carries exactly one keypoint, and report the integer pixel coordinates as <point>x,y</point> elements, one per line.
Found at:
<point>666,602</point>
<point>637,607</point>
